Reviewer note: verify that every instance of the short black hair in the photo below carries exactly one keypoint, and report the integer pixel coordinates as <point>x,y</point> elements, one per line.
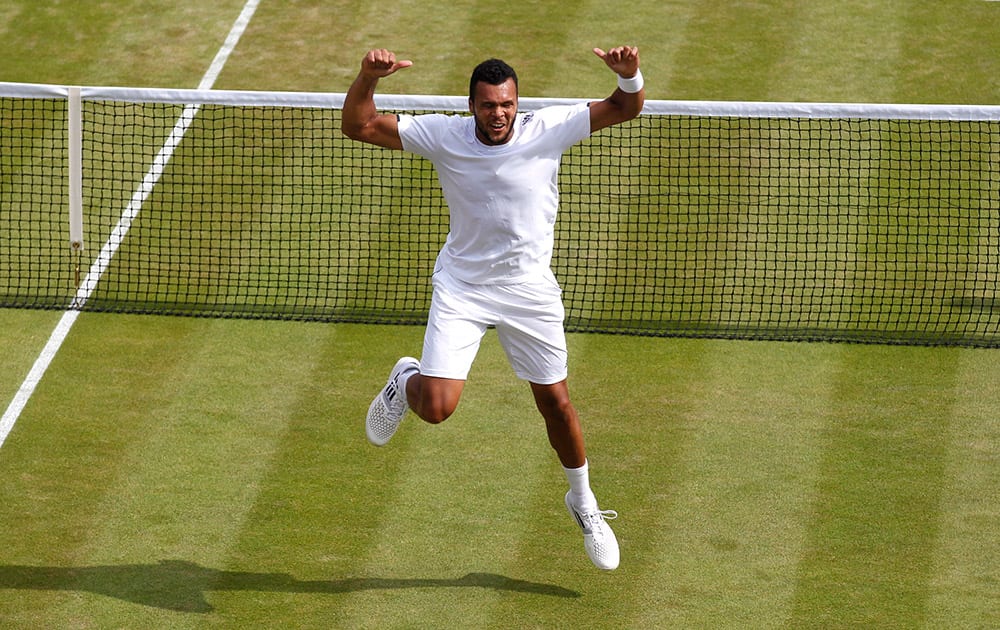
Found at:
<point>493,72</point>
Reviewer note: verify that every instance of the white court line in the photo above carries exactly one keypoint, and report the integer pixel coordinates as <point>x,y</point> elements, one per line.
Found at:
<point>99,266</point>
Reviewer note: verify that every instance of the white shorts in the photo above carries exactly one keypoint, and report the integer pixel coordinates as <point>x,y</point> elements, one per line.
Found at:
<point>528,318</point>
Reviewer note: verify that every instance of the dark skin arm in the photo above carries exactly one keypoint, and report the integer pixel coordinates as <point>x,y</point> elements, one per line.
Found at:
<point>620,106</point>
<point>361,120</point>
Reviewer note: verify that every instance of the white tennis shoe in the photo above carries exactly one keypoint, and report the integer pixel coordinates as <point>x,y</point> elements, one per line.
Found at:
<point>387,410</point>
<point>598,538</point>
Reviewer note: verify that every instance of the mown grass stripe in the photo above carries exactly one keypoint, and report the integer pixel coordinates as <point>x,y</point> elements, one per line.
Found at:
<point>873,533</point>
<point>65,470</point>
<point>325,495</point>
<point>966,558</point>
<point>644,403</point>
<point>719,550</point>
<point>936,64</point>
<point>836,53</point>
<point>734,52</point>
<point>204,434</point>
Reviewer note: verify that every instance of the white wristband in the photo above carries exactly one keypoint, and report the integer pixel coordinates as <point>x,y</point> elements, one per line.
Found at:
<point>631,85</point>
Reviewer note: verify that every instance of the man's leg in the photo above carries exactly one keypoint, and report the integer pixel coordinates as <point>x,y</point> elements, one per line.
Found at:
<point>566,437</point>
<point>561,422</point>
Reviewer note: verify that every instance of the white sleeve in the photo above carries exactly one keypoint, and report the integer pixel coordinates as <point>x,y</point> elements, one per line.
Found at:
<point>421,134</point>
<point>565,125</point>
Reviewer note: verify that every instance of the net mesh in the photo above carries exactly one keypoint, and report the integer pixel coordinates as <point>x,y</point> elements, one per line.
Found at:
<point>839,226</point>
<point>33,193</point>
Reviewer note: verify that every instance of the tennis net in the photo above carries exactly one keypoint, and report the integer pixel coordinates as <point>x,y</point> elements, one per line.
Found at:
<point>867,223</point>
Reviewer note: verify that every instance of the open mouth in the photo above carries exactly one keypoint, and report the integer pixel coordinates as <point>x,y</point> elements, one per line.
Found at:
<point>495,131</point>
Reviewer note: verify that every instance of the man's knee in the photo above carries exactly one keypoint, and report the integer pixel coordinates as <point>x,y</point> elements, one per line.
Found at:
<point>553,401</point>
<point>434,412</point>
<point>434,399</point>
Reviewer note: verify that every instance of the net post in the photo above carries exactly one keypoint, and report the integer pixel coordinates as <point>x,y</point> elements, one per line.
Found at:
<point>75,145</point>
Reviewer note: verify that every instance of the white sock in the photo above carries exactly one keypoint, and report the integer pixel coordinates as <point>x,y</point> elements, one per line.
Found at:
<point>579,487</point>
<point>402,380</point>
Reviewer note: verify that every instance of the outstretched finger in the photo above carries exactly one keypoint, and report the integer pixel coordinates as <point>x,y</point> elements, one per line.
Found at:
<point>405,63</point>
<point>382,62</point>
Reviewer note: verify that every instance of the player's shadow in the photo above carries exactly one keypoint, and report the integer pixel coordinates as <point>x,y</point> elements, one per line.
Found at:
<point>181,586</point>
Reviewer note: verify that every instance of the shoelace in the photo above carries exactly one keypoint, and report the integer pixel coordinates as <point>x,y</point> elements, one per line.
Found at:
<point>594,519</point>
<point>392,397</point>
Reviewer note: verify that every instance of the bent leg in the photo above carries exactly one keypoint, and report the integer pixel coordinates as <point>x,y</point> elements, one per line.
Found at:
<point>433,399</point>
<point>561,422</point>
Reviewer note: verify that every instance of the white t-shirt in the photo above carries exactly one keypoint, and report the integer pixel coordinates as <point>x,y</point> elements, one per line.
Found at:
<point>502,199</point>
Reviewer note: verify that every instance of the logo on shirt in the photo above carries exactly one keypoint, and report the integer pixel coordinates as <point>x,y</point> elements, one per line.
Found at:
<point>527,118</point>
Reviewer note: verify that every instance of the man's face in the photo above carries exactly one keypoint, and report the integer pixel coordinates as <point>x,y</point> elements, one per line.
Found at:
<point>494,108</point>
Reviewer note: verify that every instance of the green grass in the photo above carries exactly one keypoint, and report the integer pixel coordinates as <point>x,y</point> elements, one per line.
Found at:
<point>174,472</point>
<point>759,484</point>
<point>104,42</point>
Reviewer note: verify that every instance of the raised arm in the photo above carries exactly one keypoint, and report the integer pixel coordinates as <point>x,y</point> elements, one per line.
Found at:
<point>360,119</point>
<point>626,101</point>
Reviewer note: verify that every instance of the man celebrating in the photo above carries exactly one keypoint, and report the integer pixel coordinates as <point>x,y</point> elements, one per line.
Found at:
<point>498,170</point>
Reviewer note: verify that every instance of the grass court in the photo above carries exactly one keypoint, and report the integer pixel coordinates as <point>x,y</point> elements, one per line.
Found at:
<point>186,473</point>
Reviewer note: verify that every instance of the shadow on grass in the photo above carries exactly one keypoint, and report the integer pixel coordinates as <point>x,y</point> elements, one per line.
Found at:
<point>181,586</point>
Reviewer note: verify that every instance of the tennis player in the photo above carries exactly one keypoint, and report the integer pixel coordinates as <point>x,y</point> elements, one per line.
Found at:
<point>498,171</point>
